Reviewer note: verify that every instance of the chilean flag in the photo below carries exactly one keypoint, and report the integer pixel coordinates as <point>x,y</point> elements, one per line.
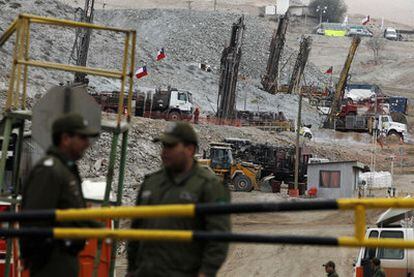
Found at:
<point>366,20</point>
<point>141,72</point>
<point>161,54</point>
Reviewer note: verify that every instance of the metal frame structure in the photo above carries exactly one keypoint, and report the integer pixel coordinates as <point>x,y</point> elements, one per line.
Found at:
<point>195,210</point>
<point>16,112</point>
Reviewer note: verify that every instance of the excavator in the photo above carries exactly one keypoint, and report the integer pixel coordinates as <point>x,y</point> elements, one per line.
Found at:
<point>340,87</point>
<point>239,176</point>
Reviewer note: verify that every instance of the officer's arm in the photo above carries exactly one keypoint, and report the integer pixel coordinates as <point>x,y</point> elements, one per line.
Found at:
<point>133,246</point>
<point>42,190</point>
<point>215,253</point>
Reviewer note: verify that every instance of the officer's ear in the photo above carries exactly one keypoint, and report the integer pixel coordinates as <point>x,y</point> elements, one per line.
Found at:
<point>192,147</point>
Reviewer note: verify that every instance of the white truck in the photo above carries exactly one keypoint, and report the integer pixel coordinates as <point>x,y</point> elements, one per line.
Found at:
<point>383,123</point>
<point>397,224</point>
<point>391,34</point>
<point>170,104</point>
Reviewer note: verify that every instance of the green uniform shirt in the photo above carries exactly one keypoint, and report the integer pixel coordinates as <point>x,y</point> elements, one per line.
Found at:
<point>176,259</point>
<point>333,274</point>
<point>54,183</point>
<point>379,272</point>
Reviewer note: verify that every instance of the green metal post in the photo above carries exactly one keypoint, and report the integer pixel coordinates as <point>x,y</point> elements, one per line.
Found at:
<point>4,150</point>
<point>106,201</point>
<point>15,192</point>
<point>119,198</point>
<point>17,159</point>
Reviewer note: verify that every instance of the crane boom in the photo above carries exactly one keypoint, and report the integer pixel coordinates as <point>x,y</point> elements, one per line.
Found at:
<point>340,87</point>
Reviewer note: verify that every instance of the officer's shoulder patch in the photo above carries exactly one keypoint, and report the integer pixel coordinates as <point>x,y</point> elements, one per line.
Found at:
<point>48,162</point>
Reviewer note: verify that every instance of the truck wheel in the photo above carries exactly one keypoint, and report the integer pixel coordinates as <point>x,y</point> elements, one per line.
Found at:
<point>308,136</point>
<point>242,183</point>
<point>174,116</point>
<point>394,133</point>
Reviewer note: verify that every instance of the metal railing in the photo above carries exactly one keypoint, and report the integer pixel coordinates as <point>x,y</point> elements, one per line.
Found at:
<point>21,60</point>
<point>196,210</point>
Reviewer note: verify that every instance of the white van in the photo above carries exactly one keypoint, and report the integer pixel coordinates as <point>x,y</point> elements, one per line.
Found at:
<point>391,34</point>
<point>395,262</point>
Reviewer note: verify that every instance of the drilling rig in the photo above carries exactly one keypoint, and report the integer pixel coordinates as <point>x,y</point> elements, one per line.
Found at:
<point>229,68</point>
<point>340,87</point>
<point>83,35</point>
<point>270,79</point>
<point>301,60</point>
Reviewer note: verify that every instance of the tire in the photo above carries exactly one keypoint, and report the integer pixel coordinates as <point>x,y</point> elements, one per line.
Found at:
<point>394,133</point>
<point>308,136</point>
<point>242,183</point>
<point>174,116</point>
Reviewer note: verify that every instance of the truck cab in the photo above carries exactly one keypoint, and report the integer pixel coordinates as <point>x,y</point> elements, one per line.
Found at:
<point>388,127</point>
<point>181,101</point>
<point>395,262</point>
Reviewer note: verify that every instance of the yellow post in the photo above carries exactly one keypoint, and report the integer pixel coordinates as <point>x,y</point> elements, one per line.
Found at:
<point>23,30</point>
<point>10,92</point>
<point>123,79</point>
<point>26,67</point>
<point>360,222</point>
<point>131,74</point>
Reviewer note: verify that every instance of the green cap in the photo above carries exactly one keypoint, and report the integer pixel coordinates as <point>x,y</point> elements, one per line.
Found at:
<point>178,132</point>
<point>73,123</point>
<point>330,264</point>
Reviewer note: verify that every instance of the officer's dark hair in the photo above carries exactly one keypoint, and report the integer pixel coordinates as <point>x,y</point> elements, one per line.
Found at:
<point>56,137</point>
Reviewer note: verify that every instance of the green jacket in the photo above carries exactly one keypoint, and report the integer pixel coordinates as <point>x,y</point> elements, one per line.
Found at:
<point>379,272</point>
<point>333,274</point>
<point>180,259</point>
<point>54,183</point>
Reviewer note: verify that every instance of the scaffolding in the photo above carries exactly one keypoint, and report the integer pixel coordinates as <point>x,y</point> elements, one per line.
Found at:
<point>16,112</point>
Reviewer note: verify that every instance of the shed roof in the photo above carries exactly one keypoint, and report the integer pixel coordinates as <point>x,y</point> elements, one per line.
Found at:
<point>357,164</point>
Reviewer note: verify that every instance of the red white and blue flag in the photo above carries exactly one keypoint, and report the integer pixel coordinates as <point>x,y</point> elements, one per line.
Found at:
<point>141,72</point>
<point>161,54</point>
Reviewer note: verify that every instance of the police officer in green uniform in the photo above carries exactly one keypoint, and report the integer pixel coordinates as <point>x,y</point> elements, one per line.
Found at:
<point>330,269</point>
<point>376,266</point>
<point>181,181</point>
<point>54,183</point>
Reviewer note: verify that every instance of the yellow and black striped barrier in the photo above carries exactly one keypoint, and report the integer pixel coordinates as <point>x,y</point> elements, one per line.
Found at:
<point>195,210</point>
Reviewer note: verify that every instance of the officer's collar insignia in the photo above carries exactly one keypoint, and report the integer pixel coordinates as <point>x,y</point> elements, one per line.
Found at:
<point>48,162</point>
<point>185,195</point>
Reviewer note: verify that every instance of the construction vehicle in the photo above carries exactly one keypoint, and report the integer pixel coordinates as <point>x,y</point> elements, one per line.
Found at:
<point>383,124</point>
<point>170,104</point>
<point>239,176</point>
<point>277,162</point>
<point>109,101</point>
<point>340,87</point>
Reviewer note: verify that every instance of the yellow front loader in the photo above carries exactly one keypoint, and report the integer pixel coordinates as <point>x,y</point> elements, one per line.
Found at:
<point>239,176</point>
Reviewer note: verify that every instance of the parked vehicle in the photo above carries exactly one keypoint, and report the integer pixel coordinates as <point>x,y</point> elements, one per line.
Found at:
<point>395,262</point>
<point>359,32</point>
<point>238,175</point>
<point>363,123</point>
<point>170,104</point>
<point>391,34</point>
